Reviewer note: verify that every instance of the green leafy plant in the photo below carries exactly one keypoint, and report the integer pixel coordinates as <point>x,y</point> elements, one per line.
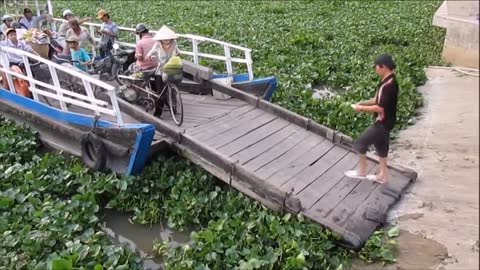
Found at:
<point>48,209</point>
<point>380,247</point>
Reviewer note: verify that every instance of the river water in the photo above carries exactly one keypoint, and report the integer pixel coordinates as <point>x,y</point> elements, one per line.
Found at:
<point>141,237</point>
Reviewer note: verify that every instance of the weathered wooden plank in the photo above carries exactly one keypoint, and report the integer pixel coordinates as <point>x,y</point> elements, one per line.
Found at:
<point>345,209</point>
<point>263,132</point>
<point>198,72</point>
<point>396,181</point>
<point>286,171</point>
<point>189,145</point>
<point>325,205</point>
<point>206,106</point>
<point>207,100</point>
<point>257,149</point>
<point>235,93</point>
<point>204,112</point>
<point>210,100</point>
<point>240,130</point>
<point>370,214</point>
<point>281,155</point>
<point>323,184</point>
<point>283,113</point>
<point>305,177</point>
<point>235,113</point>
<point>219,128</point>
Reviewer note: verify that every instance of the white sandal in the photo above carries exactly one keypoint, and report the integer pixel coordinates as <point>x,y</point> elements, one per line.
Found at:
<point>354,174</point>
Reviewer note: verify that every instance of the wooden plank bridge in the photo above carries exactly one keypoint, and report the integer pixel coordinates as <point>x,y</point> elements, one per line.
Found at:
<point>281,159</point>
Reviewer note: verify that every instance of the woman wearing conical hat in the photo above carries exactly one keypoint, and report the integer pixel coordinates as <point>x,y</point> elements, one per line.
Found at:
<point>163,50</point>
<point>166,46</point>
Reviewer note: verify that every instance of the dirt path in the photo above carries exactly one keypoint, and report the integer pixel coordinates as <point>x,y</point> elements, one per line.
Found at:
<point>439,216</point>
<point>444,149</point>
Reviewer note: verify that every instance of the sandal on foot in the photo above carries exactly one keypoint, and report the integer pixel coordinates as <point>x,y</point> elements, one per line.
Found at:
<point>354,174</point>
<point>373,177</point>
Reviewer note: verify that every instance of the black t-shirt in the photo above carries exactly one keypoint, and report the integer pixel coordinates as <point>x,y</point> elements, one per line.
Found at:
<point>386,97</point>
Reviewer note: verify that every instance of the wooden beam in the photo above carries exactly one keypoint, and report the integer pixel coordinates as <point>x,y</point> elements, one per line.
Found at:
<point>199,72</point>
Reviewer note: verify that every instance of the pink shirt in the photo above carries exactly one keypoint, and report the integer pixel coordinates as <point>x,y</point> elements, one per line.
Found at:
<point>144,45</point>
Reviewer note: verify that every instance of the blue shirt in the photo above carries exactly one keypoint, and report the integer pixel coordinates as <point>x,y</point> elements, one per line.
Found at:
<point>33,23</point>
<point>21,45</point>
<point>82,56</point>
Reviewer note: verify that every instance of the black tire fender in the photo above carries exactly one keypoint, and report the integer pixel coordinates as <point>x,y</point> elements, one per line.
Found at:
<point>93,152</point>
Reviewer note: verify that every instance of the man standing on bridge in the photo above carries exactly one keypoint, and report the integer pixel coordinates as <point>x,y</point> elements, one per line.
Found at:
<point>384,108</point>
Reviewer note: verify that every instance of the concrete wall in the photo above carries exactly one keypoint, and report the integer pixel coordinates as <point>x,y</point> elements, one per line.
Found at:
<point>462,8</point>
<point>462,38</point>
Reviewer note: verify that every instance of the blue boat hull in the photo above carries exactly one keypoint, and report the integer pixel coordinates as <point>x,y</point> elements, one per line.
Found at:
<point>126,147</point>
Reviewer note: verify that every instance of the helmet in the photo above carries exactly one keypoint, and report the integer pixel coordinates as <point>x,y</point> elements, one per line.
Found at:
<point>165,33</point>
<point>140,28</point>
<point>67,12</point>
<point>7,17</point>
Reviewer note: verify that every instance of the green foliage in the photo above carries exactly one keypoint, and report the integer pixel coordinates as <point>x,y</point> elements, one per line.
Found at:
<point>48,209</point>
<point>380,247</point>
<point>305,43</point>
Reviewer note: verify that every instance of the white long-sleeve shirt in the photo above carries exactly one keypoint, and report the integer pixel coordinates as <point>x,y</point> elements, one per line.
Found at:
<point>162,55</point>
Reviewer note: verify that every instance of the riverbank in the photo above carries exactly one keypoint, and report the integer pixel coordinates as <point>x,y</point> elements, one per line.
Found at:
<point>439,215</point>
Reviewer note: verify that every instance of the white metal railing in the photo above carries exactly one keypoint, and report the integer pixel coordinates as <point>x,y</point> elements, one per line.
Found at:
<point>195,53</point>
<point>56,92</point>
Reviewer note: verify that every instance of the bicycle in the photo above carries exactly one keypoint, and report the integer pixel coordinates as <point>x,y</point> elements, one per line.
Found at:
<point>169,93</point>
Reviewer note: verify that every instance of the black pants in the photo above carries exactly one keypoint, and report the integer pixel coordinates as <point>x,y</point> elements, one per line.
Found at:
<point>377,135</point>
<point>105,50</point>
<point>158,86</point>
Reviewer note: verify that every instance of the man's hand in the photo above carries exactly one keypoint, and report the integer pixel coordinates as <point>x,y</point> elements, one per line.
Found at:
<point>149,57</point>
<point>357,107</point>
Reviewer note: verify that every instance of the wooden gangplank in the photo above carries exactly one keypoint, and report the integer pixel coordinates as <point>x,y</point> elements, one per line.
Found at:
<point>281,159</point>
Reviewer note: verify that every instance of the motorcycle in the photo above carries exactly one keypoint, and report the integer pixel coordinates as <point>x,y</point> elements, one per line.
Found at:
<point>106,68</point>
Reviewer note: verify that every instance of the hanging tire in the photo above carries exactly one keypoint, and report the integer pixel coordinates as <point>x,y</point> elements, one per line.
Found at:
<point>94,154</point>
<point>175,104</point>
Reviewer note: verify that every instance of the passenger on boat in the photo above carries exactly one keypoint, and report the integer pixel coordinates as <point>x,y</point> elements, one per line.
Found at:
<point>13,42</point>
<point>79,55</point>
<point>7,23</point>
<point>109,32</point>
<point>20,30</point>
<point>144,45</point>
<point>29,21</point>
<point>163,50</point>
<point>68,15</point>
<point>81,33</point>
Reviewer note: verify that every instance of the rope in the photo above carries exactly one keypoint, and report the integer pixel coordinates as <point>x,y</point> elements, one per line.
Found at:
<point>232,170</point>
<point>287,195</point>
<point>95,121</point>
<point>463,70</point>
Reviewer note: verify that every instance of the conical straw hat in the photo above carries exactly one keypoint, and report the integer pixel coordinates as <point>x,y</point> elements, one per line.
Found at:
<point>165,33</point>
